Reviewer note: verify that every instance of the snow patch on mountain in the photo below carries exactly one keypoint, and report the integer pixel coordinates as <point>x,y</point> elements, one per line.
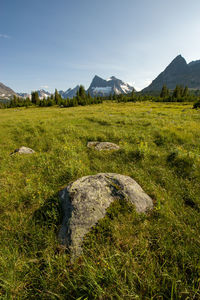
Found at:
<point>125,88</point>
<point>105,87</point>
<point>70,93</point>
<point>24,95</point>
<point>104,90</point>
<point>6,92</point>
<point>43,94</point>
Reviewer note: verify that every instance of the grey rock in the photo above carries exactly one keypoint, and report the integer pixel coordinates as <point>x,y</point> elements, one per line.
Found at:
<point>103,146</point>
<point>84,203</point>
<point>23,150</point>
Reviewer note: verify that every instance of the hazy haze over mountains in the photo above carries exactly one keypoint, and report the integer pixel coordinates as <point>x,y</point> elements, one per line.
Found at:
<point>178,72</point>
<point>98,87</point>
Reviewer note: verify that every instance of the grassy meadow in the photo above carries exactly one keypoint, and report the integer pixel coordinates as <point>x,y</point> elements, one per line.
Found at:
<point>126,256</point>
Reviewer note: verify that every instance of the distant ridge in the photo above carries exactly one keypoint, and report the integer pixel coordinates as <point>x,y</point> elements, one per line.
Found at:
<point>101,87</point>
<point>177,72</point>
<point>41,93</point>
<point>6,92</point>
<point>70,93</point>
<point>113,85</point>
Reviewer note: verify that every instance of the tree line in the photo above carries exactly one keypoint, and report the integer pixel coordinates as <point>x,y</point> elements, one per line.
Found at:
<point>82,98</point>
<point>179,94</point>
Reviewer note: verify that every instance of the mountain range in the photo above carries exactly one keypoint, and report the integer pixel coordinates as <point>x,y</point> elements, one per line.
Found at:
<point>98,87</point>
<point>177,72</point>
<point>101,87</point>
<point>41,93</point>
<point>113,85</point>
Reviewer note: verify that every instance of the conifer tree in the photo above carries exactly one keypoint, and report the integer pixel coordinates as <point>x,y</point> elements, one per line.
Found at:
<point>185,92</point>
<point>164,92</point>
<point>177,93</point>
<point>133,94</point>
<point>57,97</point>
<point>114,96</point>
<point>81,92</point>
<point>35,98</point>
<point>110,96</point>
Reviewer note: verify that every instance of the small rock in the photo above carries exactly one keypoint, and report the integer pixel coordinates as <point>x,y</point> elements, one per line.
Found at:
<point>103,146</point>
<point>23,150</point>
<point>84,203</point>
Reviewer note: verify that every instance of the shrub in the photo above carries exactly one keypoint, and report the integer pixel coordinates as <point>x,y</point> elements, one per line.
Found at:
<point>159,140</point>
<point>182,163</point>
<point>197,104</point>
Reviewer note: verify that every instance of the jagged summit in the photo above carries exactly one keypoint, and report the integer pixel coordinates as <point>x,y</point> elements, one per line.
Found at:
<point>70,93</point>
<point>177,72</point>
<point>113,78</point>
<point>112,85</point>
<point>179,57</point>
<point>177,62</point>
<point>43,94</point>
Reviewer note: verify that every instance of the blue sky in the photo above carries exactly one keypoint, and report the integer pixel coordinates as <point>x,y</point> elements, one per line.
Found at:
<point>59,44</point>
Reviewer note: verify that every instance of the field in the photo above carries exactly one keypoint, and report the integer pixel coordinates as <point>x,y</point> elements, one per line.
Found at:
<point>127,256</point>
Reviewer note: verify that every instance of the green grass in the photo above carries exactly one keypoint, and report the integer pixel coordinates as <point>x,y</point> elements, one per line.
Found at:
<point>126,256</point>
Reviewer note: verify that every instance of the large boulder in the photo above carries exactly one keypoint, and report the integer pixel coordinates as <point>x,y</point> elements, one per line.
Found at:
<point>85,201</point>
<point>23,150</point>
<point>103,146</point>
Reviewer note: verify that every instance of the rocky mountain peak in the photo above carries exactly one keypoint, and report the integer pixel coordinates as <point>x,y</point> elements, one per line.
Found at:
<point>177,63</point>
<point>6,92</point>
<point>178,72</point>
<point>112,85</point>
<point>69,93</point>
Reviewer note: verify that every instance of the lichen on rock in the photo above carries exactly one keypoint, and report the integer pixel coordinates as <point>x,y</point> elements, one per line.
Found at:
<point>84,203</point>
<point>23,150</point>
<point>99,146</point>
